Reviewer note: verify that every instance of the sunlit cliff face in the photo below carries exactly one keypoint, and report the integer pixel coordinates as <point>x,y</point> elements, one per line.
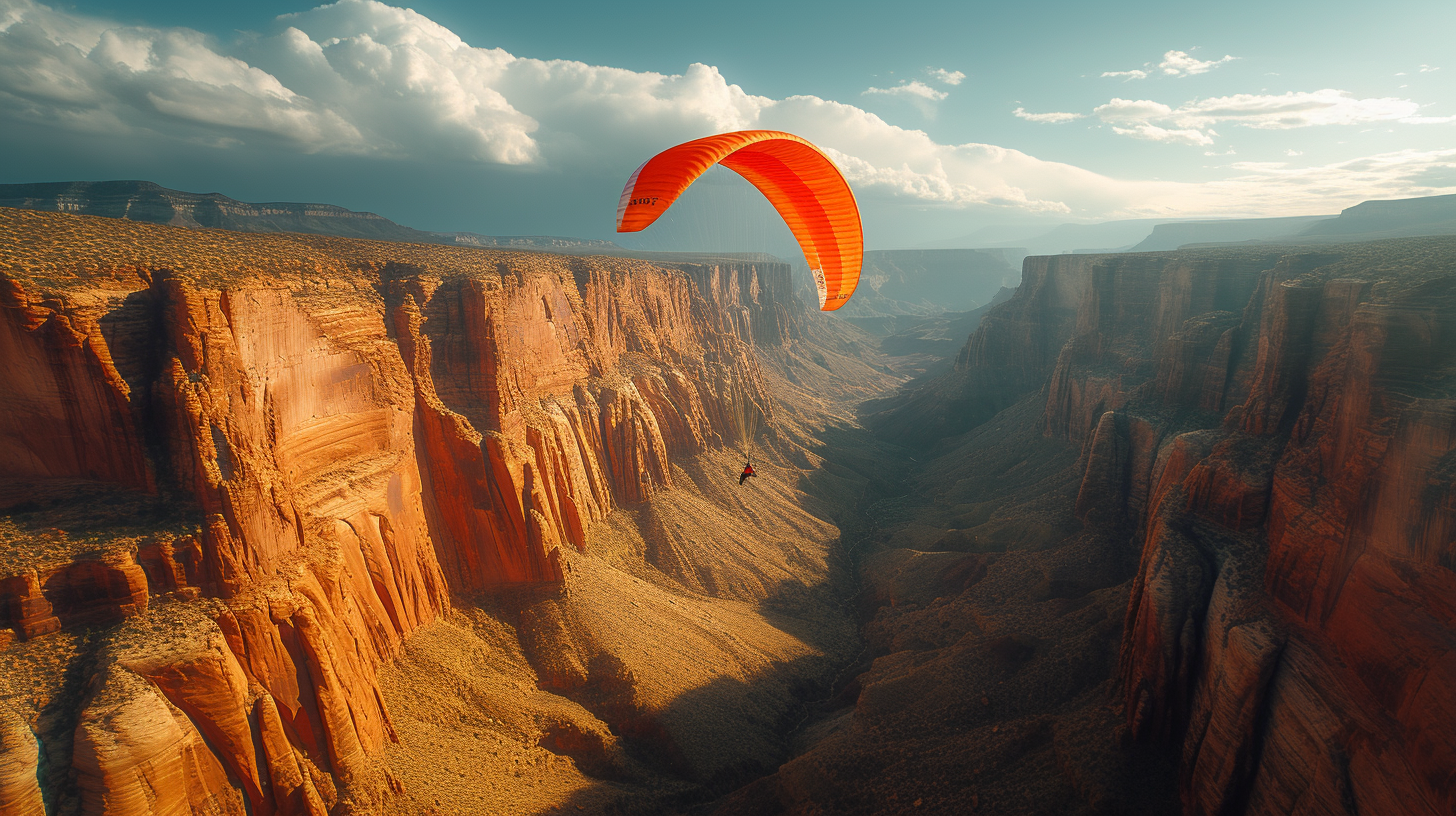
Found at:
<point>308,450</point>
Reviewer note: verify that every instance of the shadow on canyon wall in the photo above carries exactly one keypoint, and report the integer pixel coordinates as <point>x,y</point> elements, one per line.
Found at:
<point>1167,530</point>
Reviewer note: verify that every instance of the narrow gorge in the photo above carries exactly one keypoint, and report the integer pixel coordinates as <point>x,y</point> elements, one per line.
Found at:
<point>1182,540</point>
<point>297,524</point>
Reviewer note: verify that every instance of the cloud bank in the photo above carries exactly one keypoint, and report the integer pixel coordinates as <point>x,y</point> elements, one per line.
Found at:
<point>360,78</point>
<point>1192,122</point>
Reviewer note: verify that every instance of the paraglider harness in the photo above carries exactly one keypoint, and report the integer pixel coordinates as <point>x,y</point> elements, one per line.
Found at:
<point>747,471</point>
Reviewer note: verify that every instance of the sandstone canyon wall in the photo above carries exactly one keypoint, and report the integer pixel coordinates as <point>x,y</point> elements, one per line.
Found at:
<point>1274,430</point>
<point>292,523</point>
<point>292,452</point>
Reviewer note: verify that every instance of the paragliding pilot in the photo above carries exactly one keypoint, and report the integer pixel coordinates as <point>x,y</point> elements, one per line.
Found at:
<point>747,471</point>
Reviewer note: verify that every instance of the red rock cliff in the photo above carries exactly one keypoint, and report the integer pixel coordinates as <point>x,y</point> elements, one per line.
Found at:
<point>351,434</point>
<point>1275,430</point>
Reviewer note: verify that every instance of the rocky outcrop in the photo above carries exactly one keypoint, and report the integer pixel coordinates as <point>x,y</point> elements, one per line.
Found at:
<point>1274,431</point>
<point>346,436</point>
<point>28,612</point>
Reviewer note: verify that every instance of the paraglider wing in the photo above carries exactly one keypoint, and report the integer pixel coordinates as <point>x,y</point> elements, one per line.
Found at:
<point>801,183</point>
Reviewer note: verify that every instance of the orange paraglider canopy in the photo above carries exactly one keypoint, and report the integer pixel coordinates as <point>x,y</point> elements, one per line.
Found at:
<point>802,184</point>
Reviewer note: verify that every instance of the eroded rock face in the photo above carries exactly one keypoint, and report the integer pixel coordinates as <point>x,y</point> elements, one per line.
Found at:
<point>358,435</point>
<point>19,754</point>
<point>72,417</point>
<point>1269,436</point>
<point>1275,432</point>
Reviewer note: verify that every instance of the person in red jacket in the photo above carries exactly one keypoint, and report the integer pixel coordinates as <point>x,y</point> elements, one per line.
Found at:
<point>747,471</point>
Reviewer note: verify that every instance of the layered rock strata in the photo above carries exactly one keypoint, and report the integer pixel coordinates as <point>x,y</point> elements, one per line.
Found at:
<point>352,434</point>
<point>1274,430</point>
<point>1179,528</point>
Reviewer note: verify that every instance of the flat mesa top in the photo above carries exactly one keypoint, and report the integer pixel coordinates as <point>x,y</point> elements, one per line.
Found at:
<point>49,251</point>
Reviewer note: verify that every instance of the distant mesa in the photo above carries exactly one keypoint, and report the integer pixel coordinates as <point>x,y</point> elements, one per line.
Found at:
<point>1367,221</point>
<point>1047,239</point>
<point>153,203</point>
<point>1399,218</point>
<point>1173,235</point>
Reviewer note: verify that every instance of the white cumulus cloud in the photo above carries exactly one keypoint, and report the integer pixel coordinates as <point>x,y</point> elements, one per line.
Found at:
<point>945,77</point>
<point>1179,63</point>
<point>1131,110</point>
<point>914,89</point>
<point>362,78</point>
<point>882,159</point>
<point>1055,118</point>
<point>1174,63</point>
<point>1154,133</point>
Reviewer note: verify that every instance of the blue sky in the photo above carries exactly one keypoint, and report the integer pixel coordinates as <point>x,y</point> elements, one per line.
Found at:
<point>946,117</point>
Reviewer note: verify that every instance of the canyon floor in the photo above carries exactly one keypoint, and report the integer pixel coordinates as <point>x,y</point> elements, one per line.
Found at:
<point>697,642</point>
<point>991,620</point>
<point>958,657</point>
